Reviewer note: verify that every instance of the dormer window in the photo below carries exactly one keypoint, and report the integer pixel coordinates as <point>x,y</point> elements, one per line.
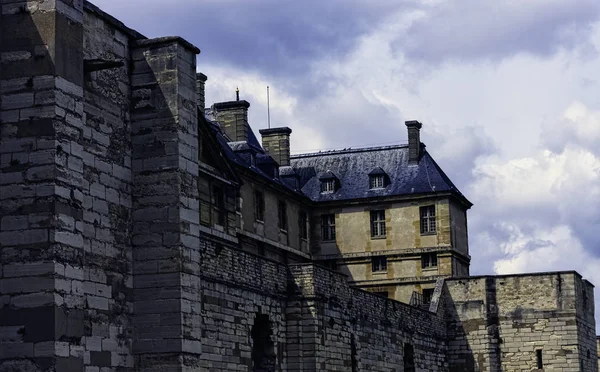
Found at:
<point>328,185</point>
<point>377,181</point>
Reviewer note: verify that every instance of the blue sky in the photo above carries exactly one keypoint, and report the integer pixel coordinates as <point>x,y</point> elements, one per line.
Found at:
<point>508,92</point>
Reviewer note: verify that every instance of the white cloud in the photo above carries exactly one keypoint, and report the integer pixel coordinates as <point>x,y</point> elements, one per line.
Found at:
<point>579,125</point>
<point>221,86</point>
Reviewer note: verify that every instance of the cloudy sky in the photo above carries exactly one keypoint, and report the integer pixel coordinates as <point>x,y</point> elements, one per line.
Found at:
<point>508,92</point>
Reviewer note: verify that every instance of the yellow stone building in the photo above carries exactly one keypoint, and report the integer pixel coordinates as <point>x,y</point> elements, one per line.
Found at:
<point>388,217</point>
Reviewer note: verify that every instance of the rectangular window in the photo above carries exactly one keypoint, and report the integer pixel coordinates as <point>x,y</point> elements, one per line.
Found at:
<point>328,186</point>
<point>428,219</point>
<point>331,264</point>
<point>429,260</point>
<point>378,224</point>
<point>282,213</point>
<point>328,227</point>
<point>379,264</point>
<point>303,222</point>
<point>376,181</point>
<point>540,363</point>
<point>259,206</point>
<point>219,206</point>
<point>427,295</point>
<point>382,294</point>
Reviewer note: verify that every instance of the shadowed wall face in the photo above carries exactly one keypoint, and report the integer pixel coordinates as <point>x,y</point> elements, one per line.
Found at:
<point>41,185</point>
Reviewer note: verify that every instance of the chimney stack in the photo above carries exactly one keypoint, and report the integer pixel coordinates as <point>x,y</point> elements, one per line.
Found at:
<point>276,142</point>
<point>200,80</point>
<point>414,141</point>
<point>233,118</point>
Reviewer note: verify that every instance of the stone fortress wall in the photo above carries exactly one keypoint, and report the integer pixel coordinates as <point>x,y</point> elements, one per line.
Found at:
<point>104,265</point>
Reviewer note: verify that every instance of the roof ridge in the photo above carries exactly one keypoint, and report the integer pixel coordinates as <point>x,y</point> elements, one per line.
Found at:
<point>348,150</point>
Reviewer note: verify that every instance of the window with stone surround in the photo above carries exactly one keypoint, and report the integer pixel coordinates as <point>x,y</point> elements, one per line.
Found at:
<point>303,225</point>
<point>218,201</point>
<point>259,206</point>
<point>379,264</point>
<point>428,223</point>
<point>427,295</point>
<point>429,260</point>
<point>378,224</point>
<point>328,227</point>
<point>282,214</point>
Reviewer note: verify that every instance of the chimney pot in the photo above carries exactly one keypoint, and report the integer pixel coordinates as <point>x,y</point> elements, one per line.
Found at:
<point>232,116</point>
<point>200,82</point>
<point>414,141</point>
<point>276,142</point>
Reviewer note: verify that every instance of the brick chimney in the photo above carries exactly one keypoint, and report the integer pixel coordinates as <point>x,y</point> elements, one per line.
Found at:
<point>414,141</point>
<point>200,80</point>
<point>233,118</point>
<point>276,142</point>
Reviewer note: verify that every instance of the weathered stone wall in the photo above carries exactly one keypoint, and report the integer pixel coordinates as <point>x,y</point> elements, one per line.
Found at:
<point>598,347</point>
<point>166,227</point>
<point>237,286</point>
<point>41,186</point>
<point>586,325</point>
<point>107,192</point>
<point>499,323</point>
<point>334,327</point>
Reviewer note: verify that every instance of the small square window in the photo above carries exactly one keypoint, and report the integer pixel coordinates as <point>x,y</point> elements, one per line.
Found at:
<point>328,186</point>
<point>328,227</point>
<point>429,260</point>
<point>428,223</point>
<point>377,181</point>
<point>379,264</point>
<point>378,224</point>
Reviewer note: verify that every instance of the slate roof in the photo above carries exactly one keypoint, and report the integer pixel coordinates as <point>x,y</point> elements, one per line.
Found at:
<point>241,153</point>
<point>353,166</point>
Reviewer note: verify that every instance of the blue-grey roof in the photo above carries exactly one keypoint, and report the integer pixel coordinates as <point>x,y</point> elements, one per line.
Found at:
<point>350,167</point>
<point>241,153</point>
<point>353,166</point>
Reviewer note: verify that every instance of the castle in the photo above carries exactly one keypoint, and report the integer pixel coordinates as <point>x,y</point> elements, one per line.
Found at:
<point>140,231</point>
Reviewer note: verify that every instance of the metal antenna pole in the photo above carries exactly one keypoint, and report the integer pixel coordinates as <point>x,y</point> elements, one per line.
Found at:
<point>268,108</point>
